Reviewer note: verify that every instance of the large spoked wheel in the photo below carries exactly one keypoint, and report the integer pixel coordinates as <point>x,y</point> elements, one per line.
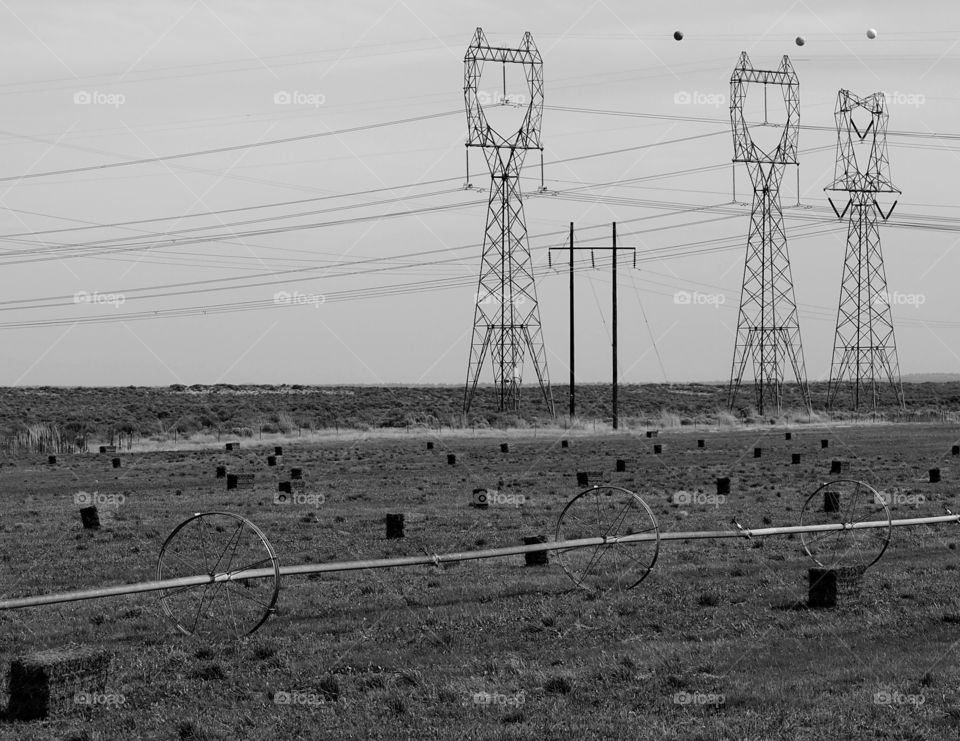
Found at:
<point>242,570</point>
<point>620,562</point>
<point>848,503</point>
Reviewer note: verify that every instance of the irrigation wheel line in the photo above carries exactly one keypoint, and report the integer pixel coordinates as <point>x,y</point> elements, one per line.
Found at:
<point>221,545</point>
<point>850,502</point>
<point>241,574</point>
<point>613,512</point>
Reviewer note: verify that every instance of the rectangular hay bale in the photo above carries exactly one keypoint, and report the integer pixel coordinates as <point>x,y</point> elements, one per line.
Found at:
<point>240,480</point>
<point>47,682</point>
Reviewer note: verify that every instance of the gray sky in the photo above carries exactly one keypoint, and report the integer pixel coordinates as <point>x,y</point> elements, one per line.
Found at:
<point>94,83</point>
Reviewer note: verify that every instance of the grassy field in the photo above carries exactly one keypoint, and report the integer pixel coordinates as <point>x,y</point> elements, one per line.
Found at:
<point>716,643</point>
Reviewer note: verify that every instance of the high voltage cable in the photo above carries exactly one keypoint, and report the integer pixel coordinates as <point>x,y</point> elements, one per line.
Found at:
<point>53,254</point>
<point>16,304</point>
<point>359,193</point>
<point>726,122</point>
<point>725,243</point>
<point>275,204</point>
<point>356,294</point>
<point>232,148</point>
<point>228,225</point>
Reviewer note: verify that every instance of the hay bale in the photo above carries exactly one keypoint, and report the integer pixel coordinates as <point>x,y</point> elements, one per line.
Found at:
<point>537,558</point>
<point>564,443</point>
<point>583,478</point>
<point>221,472</point>
<point>90,518</point>
<point>757,452</point>
<point>451,459</point>
<point>429,446</point>
<point>504,448</point>
<point>795,459</point>
<point>394,526</point>
<point>479,499</point>
<point>827,587</point>
<point>284,487</point>
<point>240,480</point>
<point>621,465</point>
<point>52,460</point>
<point>824,444</point>
<point>296,474</point>
<point>652,433</point>
<point>701,443</point>
<point>115,462</point>
<point>831,501</point>
<point>48,682</point>
<point>955,450</point>
<point>788,436</point>
<point>839,466</point>
<point>723,485</point>
<point>271,460</point>
<point>657,449</point>
<point>934,475</point>
<point>278,450</point>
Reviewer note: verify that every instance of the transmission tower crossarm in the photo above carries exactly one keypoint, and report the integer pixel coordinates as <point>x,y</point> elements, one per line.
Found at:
<point>864,347</point>
<point>506,324</point>
<point>768,330</point>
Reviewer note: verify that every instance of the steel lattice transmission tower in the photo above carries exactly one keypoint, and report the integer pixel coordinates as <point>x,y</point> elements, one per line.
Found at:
<point>768,330</point>
<point>864,348</point>
<point>506,322</point>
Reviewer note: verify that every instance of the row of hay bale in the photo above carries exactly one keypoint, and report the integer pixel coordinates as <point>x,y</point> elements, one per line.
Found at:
<point>245,480</point>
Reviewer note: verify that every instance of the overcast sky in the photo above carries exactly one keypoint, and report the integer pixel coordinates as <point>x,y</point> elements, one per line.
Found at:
<point>90,300</point>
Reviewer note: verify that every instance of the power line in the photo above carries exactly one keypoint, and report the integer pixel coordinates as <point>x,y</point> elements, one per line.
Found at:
<point>218,150</point>
<point>726,122</point>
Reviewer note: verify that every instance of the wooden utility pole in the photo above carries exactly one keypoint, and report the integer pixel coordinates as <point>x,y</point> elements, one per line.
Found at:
<point>570,248</point>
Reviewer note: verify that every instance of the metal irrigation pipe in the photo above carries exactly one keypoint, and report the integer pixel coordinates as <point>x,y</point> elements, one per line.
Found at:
<point>382,563</point>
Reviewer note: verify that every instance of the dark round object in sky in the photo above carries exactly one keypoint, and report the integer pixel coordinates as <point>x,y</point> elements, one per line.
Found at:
<point>801,41</point>
<point>678,35</point>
